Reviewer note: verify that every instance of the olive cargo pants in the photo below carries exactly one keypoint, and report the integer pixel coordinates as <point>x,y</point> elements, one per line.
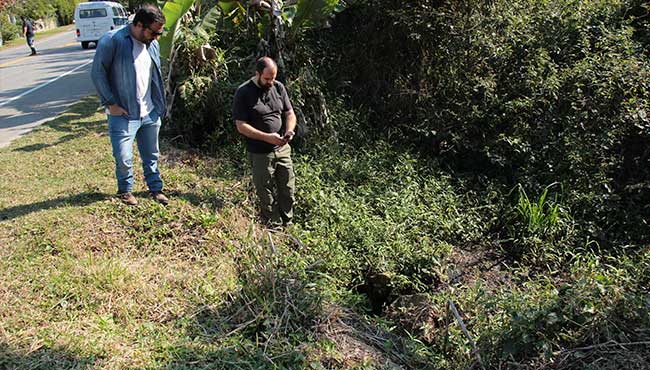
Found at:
<point>270,170</point>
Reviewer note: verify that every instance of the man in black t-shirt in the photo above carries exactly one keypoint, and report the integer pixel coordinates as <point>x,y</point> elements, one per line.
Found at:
<point>258,108</point>
<point>28,32</point>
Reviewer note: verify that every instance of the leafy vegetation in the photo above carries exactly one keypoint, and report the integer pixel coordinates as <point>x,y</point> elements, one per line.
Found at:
<point>199,284</point>
<point>493,155</point>
<point>62,10</point>
<point>173,11</point>
<point>517,130</point>
<point>9,30</point>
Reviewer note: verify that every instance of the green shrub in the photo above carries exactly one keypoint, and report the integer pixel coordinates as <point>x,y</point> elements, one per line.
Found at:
<point>9,30</point>
<point>375,212</point>
<point>540,322</point>
<point>63,10</point>
<point>540,231</point>
<point>525,92</point>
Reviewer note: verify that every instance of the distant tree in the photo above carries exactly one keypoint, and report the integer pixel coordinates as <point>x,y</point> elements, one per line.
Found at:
<point>132,5</point>
<point>64,10</point>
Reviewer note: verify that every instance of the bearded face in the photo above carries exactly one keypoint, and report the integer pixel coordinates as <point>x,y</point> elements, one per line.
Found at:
<point>267,78</point>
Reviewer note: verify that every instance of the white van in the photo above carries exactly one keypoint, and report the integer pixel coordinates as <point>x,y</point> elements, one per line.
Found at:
<point>95,18</point>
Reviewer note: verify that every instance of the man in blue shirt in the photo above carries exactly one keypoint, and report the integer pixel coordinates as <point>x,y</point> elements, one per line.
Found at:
<point>126,73</point>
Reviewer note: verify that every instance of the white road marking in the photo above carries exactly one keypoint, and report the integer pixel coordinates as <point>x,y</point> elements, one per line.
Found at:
<point>45,84</point>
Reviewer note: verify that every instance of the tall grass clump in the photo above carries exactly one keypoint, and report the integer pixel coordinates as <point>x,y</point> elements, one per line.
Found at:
<point>540,231</point>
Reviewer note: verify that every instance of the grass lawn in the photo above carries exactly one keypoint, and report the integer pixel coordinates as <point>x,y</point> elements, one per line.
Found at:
<point>38,37</point>
<point>86,281</point>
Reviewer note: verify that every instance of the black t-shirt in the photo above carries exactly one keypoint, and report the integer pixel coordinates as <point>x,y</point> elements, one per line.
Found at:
<point>261,109</point>
<point>30,28</point>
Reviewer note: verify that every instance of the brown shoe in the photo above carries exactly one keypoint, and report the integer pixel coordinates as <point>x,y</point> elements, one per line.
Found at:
<point>159,197</point>
<point>128,198</point>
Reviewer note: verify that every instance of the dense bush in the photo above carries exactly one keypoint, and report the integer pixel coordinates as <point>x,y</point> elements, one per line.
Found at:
<point>530,92</point>
<point>204,89</point>
<point>63,10</point>
<point>428,127</point>
<point>363,226</point>
<point>9,30</point>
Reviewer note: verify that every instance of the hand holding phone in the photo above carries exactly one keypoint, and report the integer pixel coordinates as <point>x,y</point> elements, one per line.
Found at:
<point>288,135</point>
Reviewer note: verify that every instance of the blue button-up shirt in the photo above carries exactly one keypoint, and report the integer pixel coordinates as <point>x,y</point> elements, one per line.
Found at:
<point>113,73</point>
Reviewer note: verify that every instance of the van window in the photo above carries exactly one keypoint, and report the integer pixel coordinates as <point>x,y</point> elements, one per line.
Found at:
<point>92,13</point>
<point>115,12</point>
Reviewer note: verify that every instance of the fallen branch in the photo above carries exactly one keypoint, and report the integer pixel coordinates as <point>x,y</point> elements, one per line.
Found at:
<point>464,329</point>
<point>242,326</point>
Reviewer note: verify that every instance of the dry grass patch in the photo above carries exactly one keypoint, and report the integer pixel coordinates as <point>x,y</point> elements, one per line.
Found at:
<point>86,281</point>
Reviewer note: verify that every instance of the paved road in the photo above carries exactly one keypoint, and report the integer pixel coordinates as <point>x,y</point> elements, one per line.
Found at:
<point>33,90</point>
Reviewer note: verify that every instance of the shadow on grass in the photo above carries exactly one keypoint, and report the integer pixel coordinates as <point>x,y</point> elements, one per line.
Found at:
<point>42,358</point>
<point>79,200</point>
<point>196,200</point>
<point>228,162</point>
<point>68,123</point>
<point>87,198</point>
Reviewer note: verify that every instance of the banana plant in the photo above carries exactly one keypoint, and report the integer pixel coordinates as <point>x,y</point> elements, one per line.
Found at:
<point>228,6</point>
<point>173,10</point>
<point>296,14</point>
<point>209,22</point>
<point>309,13</point>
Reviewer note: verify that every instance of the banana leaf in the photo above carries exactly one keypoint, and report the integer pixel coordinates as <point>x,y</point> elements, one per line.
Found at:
<point>209,22</point>
<point>173,10</point>
<point>312,13</point>
<point>228,5</point>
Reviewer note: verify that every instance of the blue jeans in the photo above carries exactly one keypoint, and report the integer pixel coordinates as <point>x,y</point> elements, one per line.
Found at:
<point>122,132</point>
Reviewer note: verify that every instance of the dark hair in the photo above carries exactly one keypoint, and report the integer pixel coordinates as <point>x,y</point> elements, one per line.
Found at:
<point>263,63</point>
<point>148,14</point>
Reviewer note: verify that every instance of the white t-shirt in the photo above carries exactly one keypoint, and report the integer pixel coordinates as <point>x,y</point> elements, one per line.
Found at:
<point>142,63</point>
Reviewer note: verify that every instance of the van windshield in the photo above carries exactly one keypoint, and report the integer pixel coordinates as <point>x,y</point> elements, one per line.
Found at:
<point>92,13</point>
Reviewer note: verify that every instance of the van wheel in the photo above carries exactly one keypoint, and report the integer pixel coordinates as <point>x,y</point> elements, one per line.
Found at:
<point>84,44</point>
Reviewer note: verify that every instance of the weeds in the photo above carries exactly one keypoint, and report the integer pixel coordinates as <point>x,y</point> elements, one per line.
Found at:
<point>540,217</point>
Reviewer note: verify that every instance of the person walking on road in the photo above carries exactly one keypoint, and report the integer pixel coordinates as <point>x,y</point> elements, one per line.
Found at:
<point>28,32</point>
<point>126,73</point>
<point>258,108</point>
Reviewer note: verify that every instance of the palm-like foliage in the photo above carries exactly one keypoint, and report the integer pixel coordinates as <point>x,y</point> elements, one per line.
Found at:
<point>309,13</point>
<point>209,22</point>
<point>174,11</point>
<point>284,20</point>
